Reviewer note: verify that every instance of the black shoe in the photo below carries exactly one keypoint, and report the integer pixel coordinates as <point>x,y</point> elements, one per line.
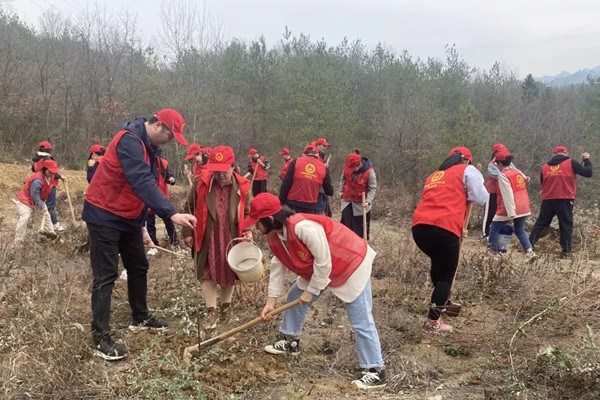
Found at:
<point>372,379</point>
<point>564,255</point>
<point>150,323</point>
<point>109,350</point>
<point>284,347</point>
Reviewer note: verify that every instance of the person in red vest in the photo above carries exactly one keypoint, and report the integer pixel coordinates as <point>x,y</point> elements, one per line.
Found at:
<point>358,177</point>
<point>491,184</point>
<point>220,200</point>
<point>305,177</point>
<point>513,202</point>
<point>260,165</point>
<point>115,208</point>
<point>164,177</point>
<point>558,178</point>
<point>287,159</point>
<point>198,156</point>
<point>438,224</point>
<point>323,206</point>
<point>324,254</point>
<point>34,194</point>
<point>45,153</point>
<point>95,155</point>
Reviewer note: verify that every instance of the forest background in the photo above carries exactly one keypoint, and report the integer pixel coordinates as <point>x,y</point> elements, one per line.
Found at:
<point>74,81</point>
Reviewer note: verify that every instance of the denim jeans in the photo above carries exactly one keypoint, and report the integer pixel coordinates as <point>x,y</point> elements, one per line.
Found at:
<point>361,319</point>
<point>105,246</point>
<point>519,225</point>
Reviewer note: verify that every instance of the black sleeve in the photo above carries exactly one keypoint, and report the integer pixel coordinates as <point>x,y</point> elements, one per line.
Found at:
<point>169,175</point>
<point>91,171</point>
<point>250,167</point>
<point>584,170</point>
<point>327,185</point>
<point>286,183</point>
<point>267,165</point>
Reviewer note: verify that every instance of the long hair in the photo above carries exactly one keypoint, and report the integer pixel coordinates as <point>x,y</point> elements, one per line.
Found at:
<point>454,159</point>
<point>506,162</point>
<point>278,219</point>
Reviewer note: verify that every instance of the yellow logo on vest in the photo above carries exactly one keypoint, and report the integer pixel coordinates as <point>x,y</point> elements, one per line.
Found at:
<point>520,181</point>
<point>301,255</point>
<point>437,176</point>
<point>309,171</point>
<point>436,179</point>
<point>554,170</point>
<point>219,156</point>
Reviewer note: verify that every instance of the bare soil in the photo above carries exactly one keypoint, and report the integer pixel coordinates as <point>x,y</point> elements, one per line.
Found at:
<point>527,329</point>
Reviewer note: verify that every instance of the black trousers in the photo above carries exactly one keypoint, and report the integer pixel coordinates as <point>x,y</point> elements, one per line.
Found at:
<point>169,225</point>
<point>355,223</point>
<point>303,210</point>
<point>259,187</point>
<point>563,209</point>
<point>105,246</point>
<point>442,247</point>
<point>490,211</point>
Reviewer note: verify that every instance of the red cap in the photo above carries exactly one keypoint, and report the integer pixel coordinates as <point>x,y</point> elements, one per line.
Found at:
<point>310,149</point>
<point>497,147</point>
<point>252,152</point>
<point>193,150</point>
<point>45,145</point>
<point>322,141</point>
<point>206,150</point>
<point>221,159</point>
<point>560,149</point>
<point>464,151</point>
<point>262,206</point>
<point>174,121</point>
<point>351,163</point>
<point>502,155</point>
<point>96,148</point>
<point>285,152</point>
<point>50,165</point>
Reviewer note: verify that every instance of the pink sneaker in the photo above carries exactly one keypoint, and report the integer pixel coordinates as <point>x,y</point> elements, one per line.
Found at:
<point>437,326</point>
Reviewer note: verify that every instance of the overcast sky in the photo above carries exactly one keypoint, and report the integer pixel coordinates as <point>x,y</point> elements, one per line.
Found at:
<point>542,37</point>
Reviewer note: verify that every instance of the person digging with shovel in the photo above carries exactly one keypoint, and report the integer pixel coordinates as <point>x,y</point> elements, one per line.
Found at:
<point>438,224</point>
<point>324,254</point>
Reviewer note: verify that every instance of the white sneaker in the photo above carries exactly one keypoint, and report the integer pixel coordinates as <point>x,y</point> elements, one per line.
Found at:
<point>152,252</point>
<point>124,275</point>
<point>58,227</point>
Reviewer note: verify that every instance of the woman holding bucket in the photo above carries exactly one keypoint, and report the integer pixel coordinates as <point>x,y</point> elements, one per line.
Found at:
<point>220,201</point>
<point>438,224</point>
<point>512,203</point>
<point>324,254</point>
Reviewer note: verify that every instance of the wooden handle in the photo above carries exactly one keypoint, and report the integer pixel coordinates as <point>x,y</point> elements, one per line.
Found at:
<point>249,324</point>
<point>364,215</point>
<point>165,250</point>
<point>70,203</point>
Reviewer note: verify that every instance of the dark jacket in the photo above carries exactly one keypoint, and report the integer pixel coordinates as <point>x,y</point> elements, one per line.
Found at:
<point>584,170</point>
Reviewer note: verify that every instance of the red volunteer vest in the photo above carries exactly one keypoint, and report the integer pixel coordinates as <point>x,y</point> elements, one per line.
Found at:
<point>201,209</point>
<point>491,184</point>
<point>25,197</point>
<point>353,189</point>
<point>558,181</point>
<point>197,169</point>
<point>518,184</point>
<point>261,173</point>
<point>347,249</point>
<point>109,189</point>
<point>161,182</point>
<point>284,168</point>
<point>309,174</point>
<point>444,200</point>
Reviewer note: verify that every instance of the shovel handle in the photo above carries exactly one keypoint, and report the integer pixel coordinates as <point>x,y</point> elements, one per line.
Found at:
<point>249,324</point>
<point>70,202</point>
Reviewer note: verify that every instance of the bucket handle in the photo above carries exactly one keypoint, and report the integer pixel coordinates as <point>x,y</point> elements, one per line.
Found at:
<point>239,239</point>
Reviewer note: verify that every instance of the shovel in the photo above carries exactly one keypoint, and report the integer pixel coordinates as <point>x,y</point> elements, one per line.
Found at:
<point>70,202</point>
<point>189,351</point>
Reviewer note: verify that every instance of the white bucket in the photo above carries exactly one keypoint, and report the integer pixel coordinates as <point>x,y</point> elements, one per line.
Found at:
<point>245,259</point>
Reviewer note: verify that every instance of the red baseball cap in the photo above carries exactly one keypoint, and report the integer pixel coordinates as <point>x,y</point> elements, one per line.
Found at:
<point>285,152</point>
<point>50,165</point>
<point>310,149</point>
<point>502,155</point>
<point>206,150</point>
<point>497,147</point>
<point>97,148</point>
<point>464,151</point>
<point>352,161</point>
<point>262,206</point>
<point>45,145</point>
<point>560,149</point>
<point>174,122</point>
<point>221,159</point>
<point>322,141</point>
<point>252,152</point>
<point>193,150</point>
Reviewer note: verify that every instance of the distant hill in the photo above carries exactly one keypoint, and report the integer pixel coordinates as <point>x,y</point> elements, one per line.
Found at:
<point>565,78</point>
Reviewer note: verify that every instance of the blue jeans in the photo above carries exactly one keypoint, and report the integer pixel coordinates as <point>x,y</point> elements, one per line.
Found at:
<point>361,319</point>
<point>519,225</point>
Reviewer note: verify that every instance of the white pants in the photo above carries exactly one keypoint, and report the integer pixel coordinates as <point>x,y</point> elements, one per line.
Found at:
<point>24,213</point>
